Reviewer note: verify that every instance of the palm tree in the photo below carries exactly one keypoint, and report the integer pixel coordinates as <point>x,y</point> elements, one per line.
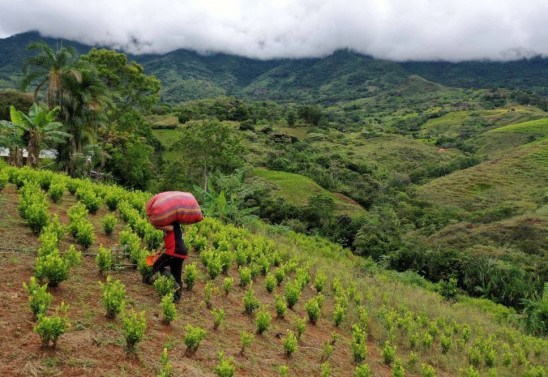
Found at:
<point>40,127</point>
<point>50,67</point>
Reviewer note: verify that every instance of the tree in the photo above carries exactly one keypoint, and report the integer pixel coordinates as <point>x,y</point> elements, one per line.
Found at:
<point>40,128</point>
<point>50,67</point>
<point>11,137</point>
<point>209,146</point>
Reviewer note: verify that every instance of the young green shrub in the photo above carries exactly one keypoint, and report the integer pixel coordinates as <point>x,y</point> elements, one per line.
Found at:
<point>166,368</point>
<point>168,309</point>
<point>104,260</point>
<point>327,350</point>
<point>84,234</point>
<point>56,191</point>
<point>362,370</point>
<point>88,197</point>
<point>228,283</point>
<point>313,310</point>
<point>190,274</point>
<point>262,322</point>
<point>489,357</point>
<point>279,274</point>
<point>300,325</point>
<point>245,276</point>
<point>363,318</point>
<point>50,328</point>
<point>388,353</point>
<point>133,329</point>
<point>398,370</point>
<point>270,283</point>
<point>208,294</point>
<point>226,258</point>
<point>290,343</point>
<point>225,368</point>
<point>246,339</point>
<point>283,370</point>
<point>39,297</point>
<point>427,371</point>
<point>193,337</point>
<point>292,293</point>
<point>251,303</point>
<point>469,372</point>
<point>113,297</point>
<point>535,371</point>
<point>4,179</point>
<point>109,223</point>
<point>474,356</point>
<point>144,269</point>
<point>325,369</point>
<point>445,342</point>
<point>319,282</point>
<point>53,268</point>
<point>427,341</point>
<point>214,266</point>
<point>218,317</point>
<point>164,285</point>
<point>339,313</point>
<point>359,344</point>
<point>280,306</point>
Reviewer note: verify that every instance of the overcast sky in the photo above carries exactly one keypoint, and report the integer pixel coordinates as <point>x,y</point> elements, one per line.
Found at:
<point>392,29</point>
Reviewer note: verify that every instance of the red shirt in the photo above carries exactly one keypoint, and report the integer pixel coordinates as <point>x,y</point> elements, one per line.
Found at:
<point>170,245</point>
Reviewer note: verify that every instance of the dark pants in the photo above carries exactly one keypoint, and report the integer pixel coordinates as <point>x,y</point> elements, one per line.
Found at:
<point>175,265</point>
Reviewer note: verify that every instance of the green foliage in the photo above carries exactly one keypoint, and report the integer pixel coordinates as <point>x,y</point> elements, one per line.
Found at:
<point>214,266</point>
<point>445,342</point>
<point>109,223</point>
<point>245,276</point>
<point>359,344</point>
<point>325,369</point>
<point>225,368</point>
<point>290,343</point>
<point>87,196</point>
<point>193,337</point>
<point>319,282</point>
<point>85,235</point>
<point>339,313</point>
<point>262,321</point>
<point>104,260</point>
<point>470,372</point>
<point>133,328</point>
<point>283,370</point>
<point>388,353</point>
<point>50,328</point>
<point>300,325</point>
<point>362,370</point>
<point>39,298</point>
<point>448,289</point>
<point>270,283</point>
<point>53,268</point>
<point>251,303</point>
<point>218,317</point>
<point>228,283</point>
<point>166,368</point>
<point>33,207</point>
<point>280,306</point>
<point>246,339</point>
<point>56,190</point>
<point>168,308</point>
<point>535,371</point>
<point>113,297</point>
<point>190,274</point>
<point>292,293</point>
<point>313,309</point>
<point>427,371</point>
<point>164,285</point>
<point>208,294</point>
<point>279,274</point>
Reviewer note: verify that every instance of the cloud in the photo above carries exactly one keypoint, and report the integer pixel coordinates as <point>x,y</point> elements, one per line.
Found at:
<point>452,30</point>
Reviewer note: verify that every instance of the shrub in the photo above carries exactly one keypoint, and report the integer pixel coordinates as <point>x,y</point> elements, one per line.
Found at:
<point>165,366</point>
<point>133,329</point>
<point>290,343</point>
<point>109,223</point>
<point>208,294</point>
<point>226,258</point>
<point>388,353</point>
<point>214,266</point>
<point>319,282</point>
<point>339,312</point>
<point>193,337</point>
<point>228,283</point>
<point>535,371</point>
<point>428,371</point>
<point>104,260</point>
<point>88,197</point>
<point>445,342</point>
<point>279,274</point>
<point>245,276</point>
<point>362,370</point>
<point>218,317</point>
<point>39,297</point>
<point>4,178</point>
<point>168,308</point>
<point>53,268</point>
<point>262,322</point>
<point>225,368</point>
<point>281,306</point>
<point>359,344</point>
<point>144,269</point>
<point>251,303</point>
<point>51,328</point>
<point>292,294</point>
<point>398,370</point>
<point>313,310</point>
<point>56,191</point>
<point>270,283</point>
<point>246,339</point>
<point>113,297</point>
<point>164,285</point>
<point>469,372</point>
<point>474,356</point>
<point>84,234</point>
<point>283,370</point>
<point>189,275</point>
<point>326,370</point>
<point>300,326</point>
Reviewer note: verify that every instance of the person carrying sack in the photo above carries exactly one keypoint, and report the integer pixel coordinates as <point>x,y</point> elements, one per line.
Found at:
<point>175,252</point>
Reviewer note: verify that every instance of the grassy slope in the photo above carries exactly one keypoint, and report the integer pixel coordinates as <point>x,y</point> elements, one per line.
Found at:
<point>297,189</point>
<point>517,180</point>
<point>93,345</point>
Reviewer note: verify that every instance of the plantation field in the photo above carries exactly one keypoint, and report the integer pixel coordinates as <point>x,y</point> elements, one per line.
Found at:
<point>355,316</point>
<point>298,189</point>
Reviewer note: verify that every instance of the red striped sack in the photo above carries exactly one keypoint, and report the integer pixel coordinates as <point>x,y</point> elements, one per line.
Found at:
<point>173,206</point>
